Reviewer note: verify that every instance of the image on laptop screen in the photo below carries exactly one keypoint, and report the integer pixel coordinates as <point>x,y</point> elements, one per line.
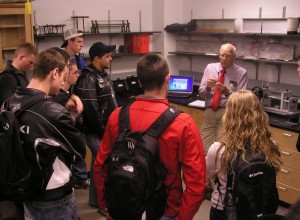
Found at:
<point>181,86</point>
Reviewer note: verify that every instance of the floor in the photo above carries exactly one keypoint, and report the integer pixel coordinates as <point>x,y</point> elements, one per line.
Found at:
<point>88,213</point>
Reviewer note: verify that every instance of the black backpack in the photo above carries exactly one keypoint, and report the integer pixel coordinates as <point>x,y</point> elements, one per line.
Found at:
<point>17,181</point>
<point>135,173</point>
<point>254,186</point>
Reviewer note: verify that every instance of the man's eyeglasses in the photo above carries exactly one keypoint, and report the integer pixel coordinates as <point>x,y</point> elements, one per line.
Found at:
<point>75,72</point>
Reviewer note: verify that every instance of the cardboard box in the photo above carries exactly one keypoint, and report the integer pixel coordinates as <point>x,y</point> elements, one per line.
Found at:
<point>265,25</point>
<point>137,43</point>
<point>215,25</point>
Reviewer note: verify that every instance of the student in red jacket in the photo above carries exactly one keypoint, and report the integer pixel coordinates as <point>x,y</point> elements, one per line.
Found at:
<point>180,146</point>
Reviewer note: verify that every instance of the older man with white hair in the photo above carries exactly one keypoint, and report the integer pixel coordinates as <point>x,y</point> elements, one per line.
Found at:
<point>218,82</point>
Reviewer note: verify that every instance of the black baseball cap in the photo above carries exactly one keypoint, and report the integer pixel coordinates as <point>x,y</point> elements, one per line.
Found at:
<point>100,48</point>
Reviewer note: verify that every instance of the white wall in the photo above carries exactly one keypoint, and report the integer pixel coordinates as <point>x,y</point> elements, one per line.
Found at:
<point>155,15</point>
<point>172,14</point>
<point>238,9</point>
<point>61,11</point>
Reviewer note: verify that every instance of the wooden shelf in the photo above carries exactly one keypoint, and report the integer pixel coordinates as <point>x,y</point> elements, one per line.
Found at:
<point>8,48</point>
<point>16,28</point>
<point>12,26</point>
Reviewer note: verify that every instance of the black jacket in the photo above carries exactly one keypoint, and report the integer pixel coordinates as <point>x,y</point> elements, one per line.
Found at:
<point>96,92</point>
<point>62,97</point>
<point>50,140</point>
<point>10,79</point>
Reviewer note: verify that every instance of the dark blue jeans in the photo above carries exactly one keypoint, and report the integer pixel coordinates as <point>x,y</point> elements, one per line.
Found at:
<point>93,142</point>
<point>79,170</point>
<point>65,208</point>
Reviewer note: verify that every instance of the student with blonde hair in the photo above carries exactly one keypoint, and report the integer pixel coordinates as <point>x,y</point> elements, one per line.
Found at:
<point>15,73</point>
<point>245,127</point>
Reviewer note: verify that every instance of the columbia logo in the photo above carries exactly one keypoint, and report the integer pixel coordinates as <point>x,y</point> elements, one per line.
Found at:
<point>256,174</point>
<point>128,168</point>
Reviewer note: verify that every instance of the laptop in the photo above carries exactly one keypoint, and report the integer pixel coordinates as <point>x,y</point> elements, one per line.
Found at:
<point>181,86</point>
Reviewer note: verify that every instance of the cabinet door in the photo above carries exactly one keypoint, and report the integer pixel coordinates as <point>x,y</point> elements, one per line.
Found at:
<point>289,176</point>
<point>290,158</point>
<point>15,28</point>
<point>287,193</point>
<point>196,114</point>
<point>285,139</point>
<point>181,107</point>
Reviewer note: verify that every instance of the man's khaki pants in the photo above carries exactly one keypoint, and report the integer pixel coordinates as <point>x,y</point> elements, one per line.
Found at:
<point>212,121</point>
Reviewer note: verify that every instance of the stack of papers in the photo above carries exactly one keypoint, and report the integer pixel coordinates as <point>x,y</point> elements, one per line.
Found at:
<point>197,103</point>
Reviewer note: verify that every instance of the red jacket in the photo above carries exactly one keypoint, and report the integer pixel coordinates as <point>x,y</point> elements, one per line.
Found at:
<point>180,149</point>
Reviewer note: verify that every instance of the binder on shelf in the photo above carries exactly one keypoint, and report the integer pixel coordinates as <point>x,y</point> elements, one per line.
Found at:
<point>137,43</point>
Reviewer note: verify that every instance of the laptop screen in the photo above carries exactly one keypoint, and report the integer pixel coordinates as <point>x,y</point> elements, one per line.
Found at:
<point>181,85</point>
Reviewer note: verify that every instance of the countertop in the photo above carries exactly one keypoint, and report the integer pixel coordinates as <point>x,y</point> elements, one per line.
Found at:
<point>287,123</point>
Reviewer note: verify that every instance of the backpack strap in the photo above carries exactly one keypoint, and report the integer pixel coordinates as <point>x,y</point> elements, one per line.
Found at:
<point>230,178</point>
<point>124,118</point>
<point>157,128</point>
<point>78,63</point>
<point>231,174</point>
<point>163,122</point>
<point>218,184</point>
<point>29,102</point>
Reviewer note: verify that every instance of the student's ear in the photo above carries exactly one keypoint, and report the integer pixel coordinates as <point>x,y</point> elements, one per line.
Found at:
<point>21,57</point>
<point>54,73</point>
<point>167,80</point>
<point>140,83</point>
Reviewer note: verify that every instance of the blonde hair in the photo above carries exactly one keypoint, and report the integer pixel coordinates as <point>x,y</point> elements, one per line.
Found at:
<point>246,126</point>
<point>25,48</point>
